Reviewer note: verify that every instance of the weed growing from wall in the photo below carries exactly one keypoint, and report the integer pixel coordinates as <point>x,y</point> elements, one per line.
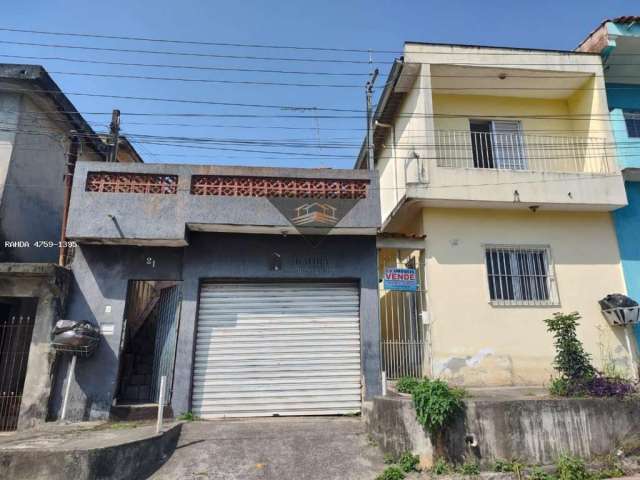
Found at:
<point>577,374</point>
<point>437,404</point>
<point>392,473</point>
<point>571,360</point>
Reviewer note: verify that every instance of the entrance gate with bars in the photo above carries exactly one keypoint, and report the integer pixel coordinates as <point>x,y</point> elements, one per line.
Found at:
<point>17,319</point>
<point>402,313</point>
<point>149,341</point>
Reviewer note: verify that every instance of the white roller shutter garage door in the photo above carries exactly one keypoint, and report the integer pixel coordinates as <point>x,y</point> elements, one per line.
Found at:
<point>267,349</point>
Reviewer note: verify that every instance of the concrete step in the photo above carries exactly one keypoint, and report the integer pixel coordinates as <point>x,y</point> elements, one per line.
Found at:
<point>139,411</point>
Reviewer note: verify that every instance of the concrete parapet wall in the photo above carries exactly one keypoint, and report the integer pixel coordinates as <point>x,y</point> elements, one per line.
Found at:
<point>164,219</point>
<point>533,431</point>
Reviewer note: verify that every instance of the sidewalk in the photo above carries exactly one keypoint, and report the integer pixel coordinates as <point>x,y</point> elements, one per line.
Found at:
<point>82,450</point>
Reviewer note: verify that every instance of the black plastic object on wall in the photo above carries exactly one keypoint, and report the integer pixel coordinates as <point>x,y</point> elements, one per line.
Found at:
<point>79,338</point>
<point>620,310</point>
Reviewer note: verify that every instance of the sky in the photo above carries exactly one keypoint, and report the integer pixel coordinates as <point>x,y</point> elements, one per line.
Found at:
<point>267,125</point>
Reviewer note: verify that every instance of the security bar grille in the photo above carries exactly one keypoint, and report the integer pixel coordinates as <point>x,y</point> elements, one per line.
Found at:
<point>15,339</point>
<point>520,276</point>
<point>401,323</point>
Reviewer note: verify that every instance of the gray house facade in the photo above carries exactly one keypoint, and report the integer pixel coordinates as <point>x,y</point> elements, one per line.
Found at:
<point>41,134</point>
<point>253,291</point>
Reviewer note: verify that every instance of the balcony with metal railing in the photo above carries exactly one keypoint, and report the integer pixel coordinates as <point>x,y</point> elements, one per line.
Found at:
<point>494,169</point>
<point>522,152</point>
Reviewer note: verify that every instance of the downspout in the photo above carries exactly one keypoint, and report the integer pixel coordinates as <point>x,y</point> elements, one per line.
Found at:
<point>393,155</point>
<point>72,158</point>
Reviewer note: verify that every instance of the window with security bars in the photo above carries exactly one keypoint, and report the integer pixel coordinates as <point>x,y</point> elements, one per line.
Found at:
<point>632,119</point>
<point>520,276</point>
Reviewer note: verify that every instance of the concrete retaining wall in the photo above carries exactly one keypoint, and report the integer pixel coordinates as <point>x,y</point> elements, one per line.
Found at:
<point>535,431</point>
<point>137,459</point>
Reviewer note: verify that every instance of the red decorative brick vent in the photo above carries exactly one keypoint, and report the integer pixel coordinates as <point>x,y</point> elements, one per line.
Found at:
<point>230,186</point>
<point>114,182</point>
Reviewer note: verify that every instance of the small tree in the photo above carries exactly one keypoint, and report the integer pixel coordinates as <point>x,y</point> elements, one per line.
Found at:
<point>573,363</point>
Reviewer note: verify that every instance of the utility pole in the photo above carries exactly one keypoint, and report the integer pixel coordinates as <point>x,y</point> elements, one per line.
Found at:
<point>115,135</point>
<point>369,93</point>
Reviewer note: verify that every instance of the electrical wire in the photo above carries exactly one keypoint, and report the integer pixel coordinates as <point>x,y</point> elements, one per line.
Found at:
<point>194,42</point>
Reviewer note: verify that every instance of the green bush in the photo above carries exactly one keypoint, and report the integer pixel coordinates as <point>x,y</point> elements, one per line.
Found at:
<point>407,384</point>
<point>609,472</point>
<point>539,474</point>
<point>441,467</point>
<point>571,360</point>
<point>187,417</point>
<point>508,466</point>
<point>408,462</point>
<point>391,473</point>
<point>572,468</point>
<point>437,404</point>
<point>469,468</point>
<point>559,387</point>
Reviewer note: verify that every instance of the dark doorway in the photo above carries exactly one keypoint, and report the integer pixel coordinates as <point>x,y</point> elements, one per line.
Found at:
<point>152,315</point>
<point>482,143</point>
<point>17,317</point>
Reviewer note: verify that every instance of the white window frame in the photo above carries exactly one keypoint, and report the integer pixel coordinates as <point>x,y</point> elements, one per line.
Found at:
<point>549,277</point>
<point>508,148</point>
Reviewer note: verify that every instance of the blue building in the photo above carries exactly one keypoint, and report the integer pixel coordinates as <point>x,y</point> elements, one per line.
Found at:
<point>618,42</point>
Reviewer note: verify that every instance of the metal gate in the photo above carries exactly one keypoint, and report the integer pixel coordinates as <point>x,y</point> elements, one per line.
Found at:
<point>267,349</point>
<point>401,317</point>
<point>15,339</point>
<point>167,319</point>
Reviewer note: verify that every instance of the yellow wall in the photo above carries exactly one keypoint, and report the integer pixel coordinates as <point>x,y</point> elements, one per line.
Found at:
<point>479,106</point>
<point>476,343</point>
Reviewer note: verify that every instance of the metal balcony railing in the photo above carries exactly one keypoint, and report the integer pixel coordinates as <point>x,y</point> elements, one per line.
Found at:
<point>518,151</point>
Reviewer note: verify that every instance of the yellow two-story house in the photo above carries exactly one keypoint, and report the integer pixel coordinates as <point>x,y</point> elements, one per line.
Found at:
<point>497,178</point>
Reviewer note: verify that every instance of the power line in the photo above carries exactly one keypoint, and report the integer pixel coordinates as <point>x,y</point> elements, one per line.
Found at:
<point>212,142</point>
<point>197,102</point>
<point>501,50</point>
<point>585,116</point>
<point>291,72</point>
<point>325,85</point>
<point>188,67</point>
<point>294,59</point>
<point>188,54</point>
<point>195,42</point>
<point>208,80</point>
<point>573,176</point>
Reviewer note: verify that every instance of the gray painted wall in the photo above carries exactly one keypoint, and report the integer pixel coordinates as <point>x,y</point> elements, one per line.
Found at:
<point>48,284</point>
<point>32,170</point>
<point>99,290</point>
<point>136,218</point>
